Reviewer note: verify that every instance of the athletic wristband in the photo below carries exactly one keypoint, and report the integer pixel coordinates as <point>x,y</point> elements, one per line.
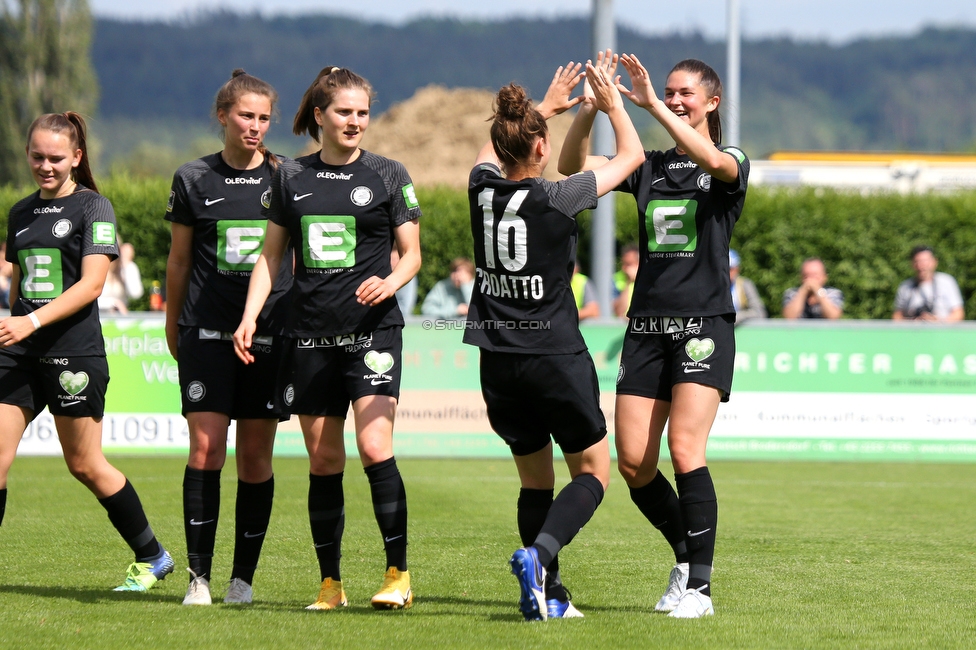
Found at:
<point>33,318</point>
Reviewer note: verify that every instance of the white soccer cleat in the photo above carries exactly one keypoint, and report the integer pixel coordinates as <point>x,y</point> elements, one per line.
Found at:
<point>198,593</point>
<point>677,582</point>
<point>693,604</point>
<point>239,592</point>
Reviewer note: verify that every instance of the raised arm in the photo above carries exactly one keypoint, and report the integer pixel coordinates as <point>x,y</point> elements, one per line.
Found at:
<point>262,279</point>
<point>574,156</point>
<point>699,148</point>
<point>556,101</point>
<point>630,151</point>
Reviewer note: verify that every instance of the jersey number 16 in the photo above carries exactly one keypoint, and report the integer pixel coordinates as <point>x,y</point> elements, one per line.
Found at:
<point>509,247</point>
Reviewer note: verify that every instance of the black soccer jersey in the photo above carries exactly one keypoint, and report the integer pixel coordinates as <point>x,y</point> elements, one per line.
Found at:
<point>341,221</point>
<point>525,237</point>
<point>223,205</point>
<point>685,220</point>
<point>46,240</point>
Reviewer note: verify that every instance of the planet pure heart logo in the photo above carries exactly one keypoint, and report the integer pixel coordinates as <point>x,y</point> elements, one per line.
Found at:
<point>699,349</point>
<point>379,362</point>
<point>73,382</point>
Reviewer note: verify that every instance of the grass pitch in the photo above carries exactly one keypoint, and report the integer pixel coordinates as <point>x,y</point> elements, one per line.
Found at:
<point>809,556</point>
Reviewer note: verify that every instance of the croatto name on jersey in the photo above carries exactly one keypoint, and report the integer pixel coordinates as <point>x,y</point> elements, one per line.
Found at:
<point>334,176</point>
<point>49,209</point>
<point>684,164</point>
<point>500,285</point>
<point>244,181</point>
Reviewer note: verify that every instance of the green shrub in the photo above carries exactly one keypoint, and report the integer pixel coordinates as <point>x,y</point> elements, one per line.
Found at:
<point>863,240</point>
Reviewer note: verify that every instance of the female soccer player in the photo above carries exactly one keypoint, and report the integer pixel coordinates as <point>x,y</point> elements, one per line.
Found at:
<point>217,231</point>
<point>343,208</point>
<point>676,363</point>
<point>537,377</point>
<point>60,241</point>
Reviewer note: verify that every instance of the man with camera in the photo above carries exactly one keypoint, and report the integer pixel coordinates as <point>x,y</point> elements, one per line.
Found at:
<point>929,296</point>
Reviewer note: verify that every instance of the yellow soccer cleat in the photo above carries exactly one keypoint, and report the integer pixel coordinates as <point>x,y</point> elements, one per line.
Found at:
<point>331,596</point>
<point>395,592</point>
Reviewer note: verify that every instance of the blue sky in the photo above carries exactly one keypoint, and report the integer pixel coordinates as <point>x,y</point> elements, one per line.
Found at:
<point>833,20</point>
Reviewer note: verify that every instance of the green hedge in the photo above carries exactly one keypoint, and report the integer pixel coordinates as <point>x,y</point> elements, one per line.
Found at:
<point>863,240</point>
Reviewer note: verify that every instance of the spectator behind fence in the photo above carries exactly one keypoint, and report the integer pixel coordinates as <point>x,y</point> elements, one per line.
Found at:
<point>812,299</point>
<point>745,297</point>
<point>585,294</point>
<point>131,277</point>
<point>122,284</point>
<point>929,296</point>
<point>449,298</point>
<point>406,296</point>
<point>624,279</point>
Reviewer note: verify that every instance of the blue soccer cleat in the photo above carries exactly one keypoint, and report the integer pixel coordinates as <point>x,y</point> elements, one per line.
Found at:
<point>531,576</point>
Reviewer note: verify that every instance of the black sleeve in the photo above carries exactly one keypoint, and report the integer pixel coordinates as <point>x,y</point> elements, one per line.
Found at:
<point>574,194</point>
<point>100,227</point>
<point>274,209</point>
<point>480,171</point>
<point>178,209</point>
<point>739,185</point>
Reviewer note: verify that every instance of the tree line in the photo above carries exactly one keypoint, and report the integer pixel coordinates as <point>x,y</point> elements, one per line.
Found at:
<point>867,94</point>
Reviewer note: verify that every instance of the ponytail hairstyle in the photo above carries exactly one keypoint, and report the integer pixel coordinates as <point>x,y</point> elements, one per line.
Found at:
<point>322,92</point>
<point>710,81</point>
<point>515,126</point>
<point>239,84</point>
<point>73,125</point>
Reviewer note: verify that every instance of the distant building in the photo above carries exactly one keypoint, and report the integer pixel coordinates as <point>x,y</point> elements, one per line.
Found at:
<point>867,171</point>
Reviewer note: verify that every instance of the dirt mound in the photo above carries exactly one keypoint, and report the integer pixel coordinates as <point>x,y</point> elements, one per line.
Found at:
<point>438,132</point>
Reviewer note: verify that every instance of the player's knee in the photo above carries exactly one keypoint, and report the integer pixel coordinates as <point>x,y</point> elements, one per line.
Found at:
<point>83,469</point>
<point>207,457</point>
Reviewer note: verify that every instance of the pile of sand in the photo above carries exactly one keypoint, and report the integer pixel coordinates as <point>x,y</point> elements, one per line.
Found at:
<point>438,132</point>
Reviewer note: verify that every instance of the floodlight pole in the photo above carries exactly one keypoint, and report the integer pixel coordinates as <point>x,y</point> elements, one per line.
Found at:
<point>733,75</point>
<point>603,242</point>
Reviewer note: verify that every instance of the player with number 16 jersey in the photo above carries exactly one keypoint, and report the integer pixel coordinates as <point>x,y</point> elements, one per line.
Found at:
<point>537,377</point>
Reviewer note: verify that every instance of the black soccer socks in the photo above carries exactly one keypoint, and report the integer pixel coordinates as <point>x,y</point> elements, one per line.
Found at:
<point>3,504</point>
<point>699,511</point>
<point>126,514</point>
<point>253,512</point>
<point>327,516</point>
<point>533,506</point>
<point>390,508</point>
<point>201,509</point>
<point>570,511</point>
<point>659,503</point>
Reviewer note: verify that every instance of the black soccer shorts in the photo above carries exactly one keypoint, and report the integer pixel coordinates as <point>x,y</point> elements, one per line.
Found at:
<point>661,351</point>
<point>531,397</point>
<point>213,379</point>
<point>321,376</point>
